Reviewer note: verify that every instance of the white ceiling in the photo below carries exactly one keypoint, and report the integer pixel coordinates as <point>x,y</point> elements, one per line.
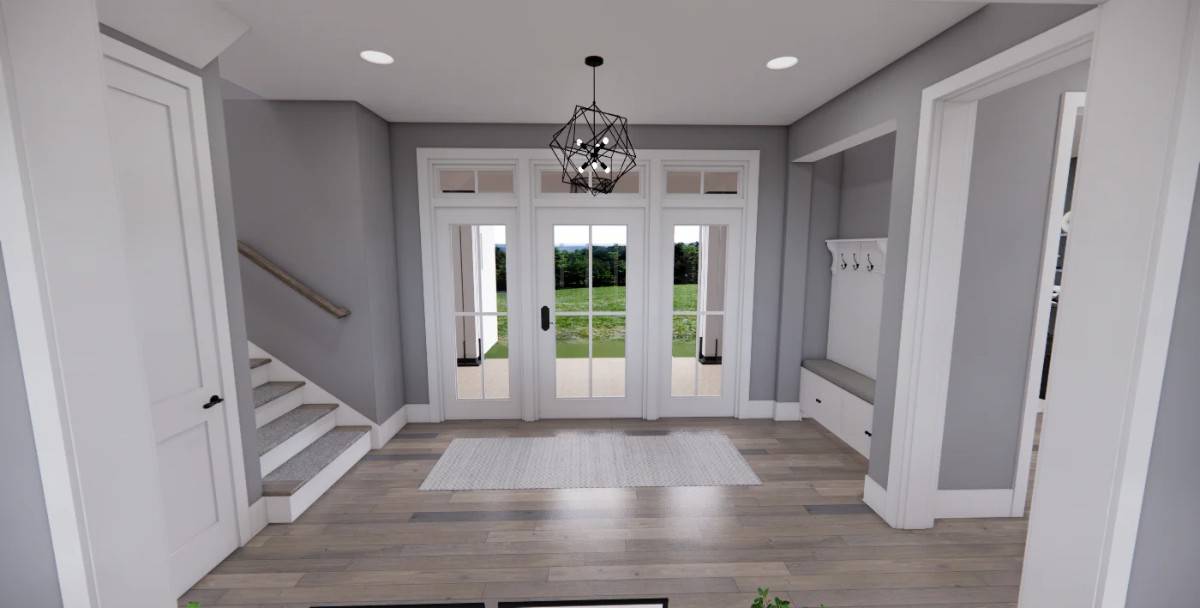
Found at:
<point>666,61</point>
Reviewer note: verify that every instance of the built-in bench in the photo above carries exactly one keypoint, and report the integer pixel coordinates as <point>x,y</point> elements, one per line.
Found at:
<point>840,399</point>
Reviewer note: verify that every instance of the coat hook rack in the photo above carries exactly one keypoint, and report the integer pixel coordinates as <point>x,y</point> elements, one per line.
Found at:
<point>870,264</point>
<point>855,256</point>
<point>844,264</point>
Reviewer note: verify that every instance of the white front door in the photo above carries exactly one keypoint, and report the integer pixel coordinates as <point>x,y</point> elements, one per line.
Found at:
<point>590,267</point>
<point>478,262</point>
<point>172,258</point>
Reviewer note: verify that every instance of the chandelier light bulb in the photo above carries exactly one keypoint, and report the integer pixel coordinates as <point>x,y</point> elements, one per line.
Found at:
<point>604,141</point>
<point>579,142</point>
<point>593,164</point>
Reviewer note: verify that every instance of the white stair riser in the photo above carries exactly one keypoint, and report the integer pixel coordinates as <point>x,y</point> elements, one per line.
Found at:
<point>281,453</point>
<point>278,407</point>
<point>260,375</point>
<point>285,509</point>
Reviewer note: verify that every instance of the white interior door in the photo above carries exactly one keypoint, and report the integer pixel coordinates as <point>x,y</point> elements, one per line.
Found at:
<point>478,282</point>
<point>696,312</point>
<point>590,267</point>
<point>156,154</point>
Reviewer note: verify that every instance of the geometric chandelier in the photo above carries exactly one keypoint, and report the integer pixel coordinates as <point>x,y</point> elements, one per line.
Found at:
<point>593,147</point>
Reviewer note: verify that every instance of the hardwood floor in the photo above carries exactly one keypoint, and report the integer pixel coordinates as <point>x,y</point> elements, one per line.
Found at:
<point>804,533</point>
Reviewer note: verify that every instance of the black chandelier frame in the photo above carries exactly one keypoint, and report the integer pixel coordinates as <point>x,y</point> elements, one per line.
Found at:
<point>593,147</point>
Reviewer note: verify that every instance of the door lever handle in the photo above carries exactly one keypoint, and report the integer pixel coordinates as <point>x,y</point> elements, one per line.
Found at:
<point>215,399</point>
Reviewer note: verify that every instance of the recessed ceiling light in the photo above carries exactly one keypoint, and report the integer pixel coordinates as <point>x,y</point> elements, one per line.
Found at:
<point>378,57</point>
<point>782,63</point>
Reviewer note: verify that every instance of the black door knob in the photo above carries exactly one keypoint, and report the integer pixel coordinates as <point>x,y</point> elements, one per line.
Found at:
<point>215,399</point>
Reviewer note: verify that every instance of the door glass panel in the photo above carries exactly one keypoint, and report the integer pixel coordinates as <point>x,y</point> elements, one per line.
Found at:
<point>456,180</point>
<point>608,268</point>
<point>608,356</point>
<point>698,295</point>
<point>720,182</point>
<point>480,268</point>
<point>589,300</point>
<point>683,182</point>
<point>468,363</point>
<point>629,184</point>
<point>496,181</point>
<point>683,355</point>
<point>571,356</point>
<point>571,268</point>
<point>709,334</point>
<point>495,360</point>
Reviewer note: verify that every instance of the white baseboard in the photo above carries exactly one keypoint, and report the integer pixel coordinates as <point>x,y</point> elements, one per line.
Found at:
<point>972,503</point>
<point>754,409</point>
<point>786,411</point>
<point>258,520</point>
<point>383,433</point>
<point>418,412</point>
<point>875,497</point>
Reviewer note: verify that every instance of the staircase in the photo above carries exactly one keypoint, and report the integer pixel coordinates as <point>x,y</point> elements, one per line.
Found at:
<point>306,439</point>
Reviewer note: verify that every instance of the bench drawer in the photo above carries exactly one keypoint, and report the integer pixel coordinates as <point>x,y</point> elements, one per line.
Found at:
<point>857,420</point>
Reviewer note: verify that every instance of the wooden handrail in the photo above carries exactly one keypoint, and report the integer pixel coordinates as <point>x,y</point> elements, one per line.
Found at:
<point>276,271</point>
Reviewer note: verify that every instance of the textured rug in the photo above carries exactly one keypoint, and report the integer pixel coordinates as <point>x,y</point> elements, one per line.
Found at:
<point>590,460</point>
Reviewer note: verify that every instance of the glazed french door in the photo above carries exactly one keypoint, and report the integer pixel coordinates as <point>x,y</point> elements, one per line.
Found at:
<point>479,281</point>
<point>591,269</point>
<point>696,312</point>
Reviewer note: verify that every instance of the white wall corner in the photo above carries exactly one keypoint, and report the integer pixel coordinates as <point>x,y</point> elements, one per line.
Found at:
<point>787,411</point>
<point>757,409</point>
<point>972,503</point>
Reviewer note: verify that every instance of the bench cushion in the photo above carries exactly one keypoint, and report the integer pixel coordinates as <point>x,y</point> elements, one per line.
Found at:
<point>847,379</point>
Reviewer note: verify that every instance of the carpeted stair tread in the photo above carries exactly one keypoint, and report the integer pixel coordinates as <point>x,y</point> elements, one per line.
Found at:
<point>293,474</point>
<point>266,393</point>
<point>284,427</point>
<point>257,362</point>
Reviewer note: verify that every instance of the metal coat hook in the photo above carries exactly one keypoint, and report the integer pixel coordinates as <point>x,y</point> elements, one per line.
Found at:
<point>855,256</point>
<point>844,264</point>
<point>870,264</point>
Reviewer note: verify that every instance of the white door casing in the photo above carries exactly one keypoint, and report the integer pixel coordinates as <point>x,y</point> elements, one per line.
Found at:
<point>164,182</point>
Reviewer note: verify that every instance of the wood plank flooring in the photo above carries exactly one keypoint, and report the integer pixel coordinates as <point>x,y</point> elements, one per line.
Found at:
<point>805,534</point>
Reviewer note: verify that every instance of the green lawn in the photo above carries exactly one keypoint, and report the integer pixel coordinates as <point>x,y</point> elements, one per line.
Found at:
<point>609,332</point>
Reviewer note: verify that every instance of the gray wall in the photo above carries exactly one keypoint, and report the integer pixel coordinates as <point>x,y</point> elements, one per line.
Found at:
<point>28,574</point>
<point>769,141</point>
<point>823,218</point>
<point>1015,133</point>
<point>1167,555</point>
<point>324,162</point>
<point>850,196</point>
<point>229,256</point>
<point>894,93</point>
<point>867,189</point>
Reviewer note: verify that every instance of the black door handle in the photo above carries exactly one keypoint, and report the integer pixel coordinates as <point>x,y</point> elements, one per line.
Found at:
<point>545,318</point>
<point>868,433</point>
<point>215,399</point>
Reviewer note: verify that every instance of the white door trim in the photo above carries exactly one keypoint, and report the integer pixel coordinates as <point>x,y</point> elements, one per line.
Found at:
<point>945,144</point>
<point>1069,116</point>
<point>651,196</point>
<point>208,204</point>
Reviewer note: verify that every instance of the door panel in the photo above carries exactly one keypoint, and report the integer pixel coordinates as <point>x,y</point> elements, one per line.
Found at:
<point>699,266</point>
<point>477,263</point>
<point>155,147</point>
<point>590,273</point>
